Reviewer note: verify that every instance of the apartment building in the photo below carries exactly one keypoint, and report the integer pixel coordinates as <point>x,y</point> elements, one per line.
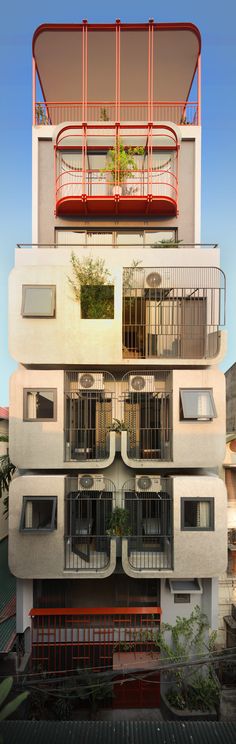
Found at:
<point>117,423</point>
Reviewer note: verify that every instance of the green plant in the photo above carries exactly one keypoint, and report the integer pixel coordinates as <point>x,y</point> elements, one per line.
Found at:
<point>121,162</point>
<point>9,708</point>
<point>94,688</point>
<point>104,115</point>
<point>41,116</point>
<point>7,470</point>
<point>63,709</point>
<point>91,287</point>
<point>188,638</point>
<point>118,426</point>
<point>167,243</point>
<point>119,523</point>
<point>129,273</point>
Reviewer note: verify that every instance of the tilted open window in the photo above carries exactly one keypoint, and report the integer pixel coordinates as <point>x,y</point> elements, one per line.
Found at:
<point>197,404</point>
<point>38,514</point>
<point>38,301</point>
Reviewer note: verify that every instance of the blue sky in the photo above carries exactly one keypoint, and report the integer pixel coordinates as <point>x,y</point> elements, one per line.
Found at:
<point>216,22</point>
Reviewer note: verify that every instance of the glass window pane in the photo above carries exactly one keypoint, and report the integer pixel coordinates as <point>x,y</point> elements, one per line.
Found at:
<point>38,301</point>
<point>197,514</point>
<point>159,236</point>
<point>129,238</point>
<point>197,404</point>
<point>38,513</point>
<point>70,237</point>
<point>99,238</point>
<point>40,404</point>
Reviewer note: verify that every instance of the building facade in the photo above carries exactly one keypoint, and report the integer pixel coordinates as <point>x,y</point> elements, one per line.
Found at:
<point>117,425</point>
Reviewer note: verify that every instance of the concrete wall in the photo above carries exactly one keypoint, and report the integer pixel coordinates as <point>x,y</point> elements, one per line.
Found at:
<point>67,338</point>
<point>42,555</point>
<point>40,444</point>
<point>230,377</point>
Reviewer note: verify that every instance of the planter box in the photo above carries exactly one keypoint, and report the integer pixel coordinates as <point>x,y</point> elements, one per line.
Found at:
<point>174,714</point>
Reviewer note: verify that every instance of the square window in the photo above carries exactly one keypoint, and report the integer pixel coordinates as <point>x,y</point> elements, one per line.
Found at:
<point>97,301</point>
<point>197,404</point>
<point>39,405</point>
<point>38,301</point>
<point>38,514</point>
<point>197,514</point>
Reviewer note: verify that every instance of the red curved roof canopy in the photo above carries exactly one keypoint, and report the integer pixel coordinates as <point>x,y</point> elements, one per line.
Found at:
<point>67,73</point>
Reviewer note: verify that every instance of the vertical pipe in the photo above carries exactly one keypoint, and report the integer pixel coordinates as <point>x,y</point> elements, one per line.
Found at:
<point>33,91</point>
<point>117,117</point>
<point>199,90</point>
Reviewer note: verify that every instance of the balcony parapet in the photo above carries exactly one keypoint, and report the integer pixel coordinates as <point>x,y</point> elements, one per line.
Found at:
<point>182,113</point>
<point>164,245</point>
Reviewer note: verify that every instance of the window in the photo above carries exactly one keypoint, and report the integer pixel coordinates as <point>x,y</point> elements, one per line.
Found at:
<point>181,587</point>
<point>162,238</point>
<point>38,514</point>
<point>39,405</point>
<point>197,514</point>
<point>197,404</point>
<point>38,301</point>
<point>97,301</point>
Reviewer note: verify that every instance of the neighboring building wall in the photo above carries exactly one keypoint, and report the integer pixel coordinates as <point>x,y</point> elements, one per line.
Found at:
<point>230,376</point>
<point>4,423</point>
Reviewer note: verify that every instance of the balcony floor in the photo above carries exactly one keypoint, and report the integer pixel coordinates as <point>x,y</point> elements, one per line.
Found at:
<point>116,205</point>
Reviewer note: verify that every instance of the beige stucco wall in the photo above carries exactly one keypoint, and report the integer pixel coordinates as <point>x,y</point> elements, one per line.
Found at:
<point>67,338</point>
<point>42,556</point>
<point>40,444</point>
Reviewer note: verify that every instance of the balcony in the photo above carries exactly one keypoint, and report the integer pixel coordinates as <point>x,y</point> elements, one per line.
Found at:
<point>117,171</point>
<point>89,401</point>
<point>150,508</point>
<point>173,312</point>
<point>97,515</point>
<point>147,401</point>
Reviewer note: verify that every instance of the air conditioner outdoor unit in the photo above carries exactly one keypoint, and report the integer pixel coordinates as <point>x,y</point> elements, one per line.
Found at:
<point>153,280</point>
<point>90,381</point>
<point>147,483</point>
<point>88,482</point>
<point>141,383</point>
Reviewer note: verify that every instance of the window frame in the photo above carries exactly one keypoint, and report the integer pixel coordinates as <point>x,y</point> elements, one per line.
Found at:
<point>184,417</point>
<point>53,525</point>
<point>146,244</point>
<point>39,286</point>
<point>199,499</point>
<point>38,390</point>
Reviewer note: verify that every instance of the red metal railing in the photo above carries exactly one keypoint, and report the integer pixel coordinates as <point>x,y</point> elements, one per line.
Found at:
<point>55,112</point>
<point>76,182</point>
<point>69,638</point>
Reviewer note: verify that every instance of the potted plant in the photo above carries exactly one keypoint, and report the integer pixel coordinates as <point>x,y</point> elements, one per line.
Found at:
<point>119,526</point>
<point>91,287</point>
<point>121,164</point>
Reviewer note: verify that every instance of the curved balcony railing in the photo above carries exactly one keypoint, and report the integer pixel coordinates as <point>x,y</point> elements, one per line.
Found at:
<point>74,187</point>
